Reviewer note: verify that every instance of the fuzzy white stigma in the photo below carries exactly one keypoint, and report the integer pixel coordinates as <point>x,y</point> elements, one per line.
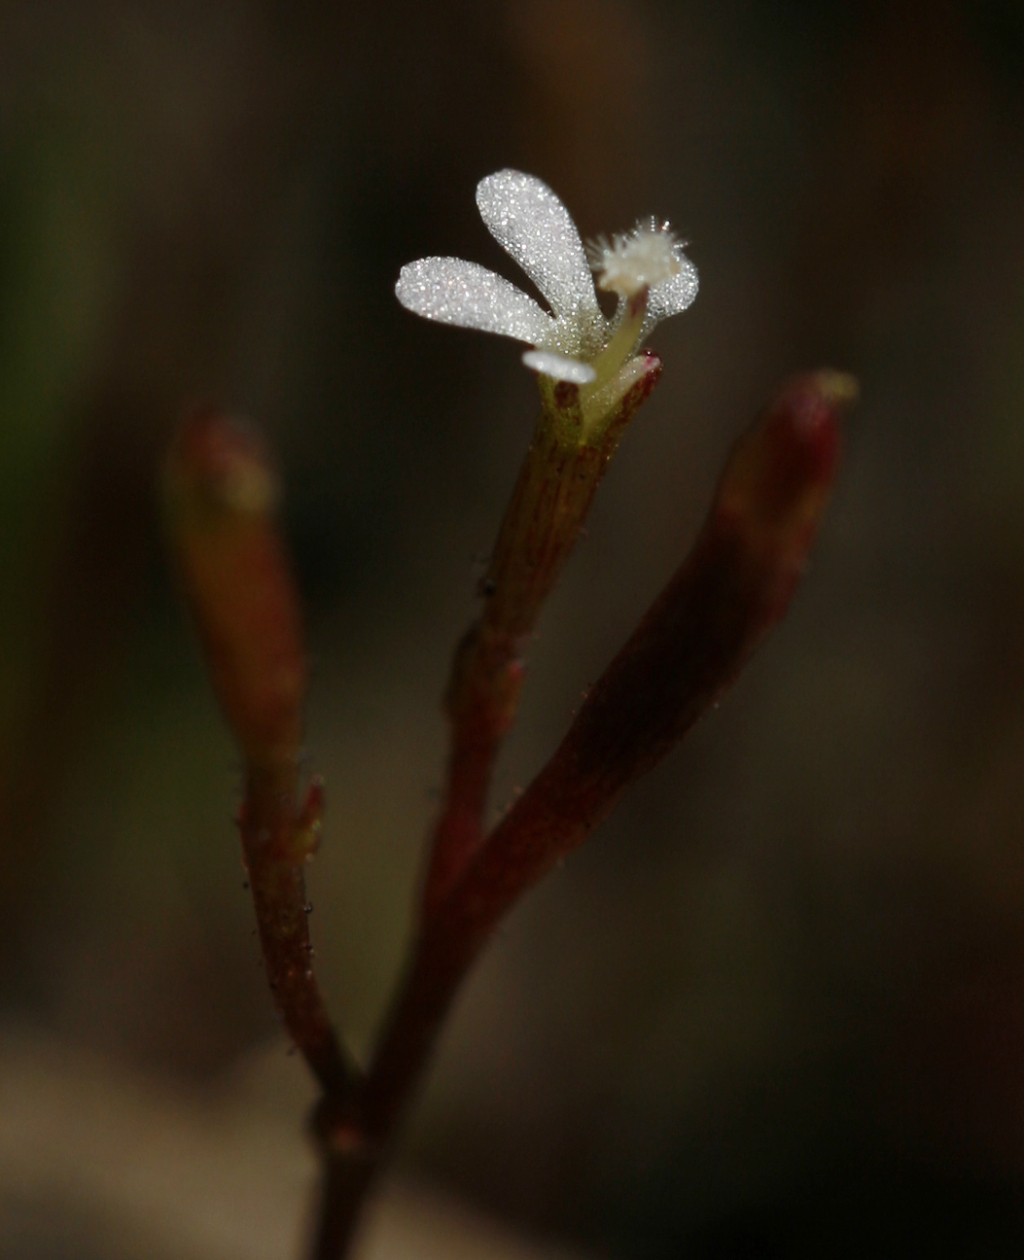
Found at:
<point>635,260</point>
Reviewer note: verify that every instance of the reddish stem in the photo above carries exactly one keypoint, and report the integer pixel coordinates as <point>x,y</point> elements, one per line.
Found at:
<point>690,646</point>
<point>271,829</point>
<point>221,494</point>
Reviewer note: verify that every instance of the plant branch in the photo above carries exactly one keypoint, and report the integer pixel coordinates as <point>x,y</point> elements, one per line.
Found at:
<point>221,497</point>
<point>694,640</point>
<point>690,646</point>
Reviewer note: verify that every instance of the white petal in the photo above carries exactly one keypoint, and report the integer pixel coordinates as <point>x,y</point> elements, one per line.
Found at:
<point>671,296</point>
<point>528,221</point>
<point>559,366</point>
<point>468,295</point>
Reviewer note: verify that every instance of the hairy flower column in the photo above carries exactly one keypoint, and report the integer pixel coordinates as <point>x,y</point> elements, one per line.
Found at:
<point>592,380</point>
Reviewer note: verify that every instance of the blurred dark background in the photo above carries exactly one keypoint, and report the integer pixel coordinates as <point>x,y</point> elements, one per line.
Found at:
<point>776,1007</point>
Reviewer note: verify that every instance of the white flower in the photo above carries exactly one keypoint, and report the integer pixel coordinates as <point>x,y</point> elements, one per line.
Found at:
<point>576,342</point>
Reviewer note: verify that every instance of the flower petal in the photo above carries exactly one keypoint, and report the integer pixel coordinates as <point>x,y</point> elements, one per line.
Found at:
<point>671,296</point>
<point>454,291</point>
<point>559,366</point>
<point>528,221</point>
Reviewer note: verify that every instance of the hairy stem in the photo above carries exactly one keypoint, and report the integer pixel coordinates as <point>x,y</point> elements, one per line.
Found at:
<point>270,824</point>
